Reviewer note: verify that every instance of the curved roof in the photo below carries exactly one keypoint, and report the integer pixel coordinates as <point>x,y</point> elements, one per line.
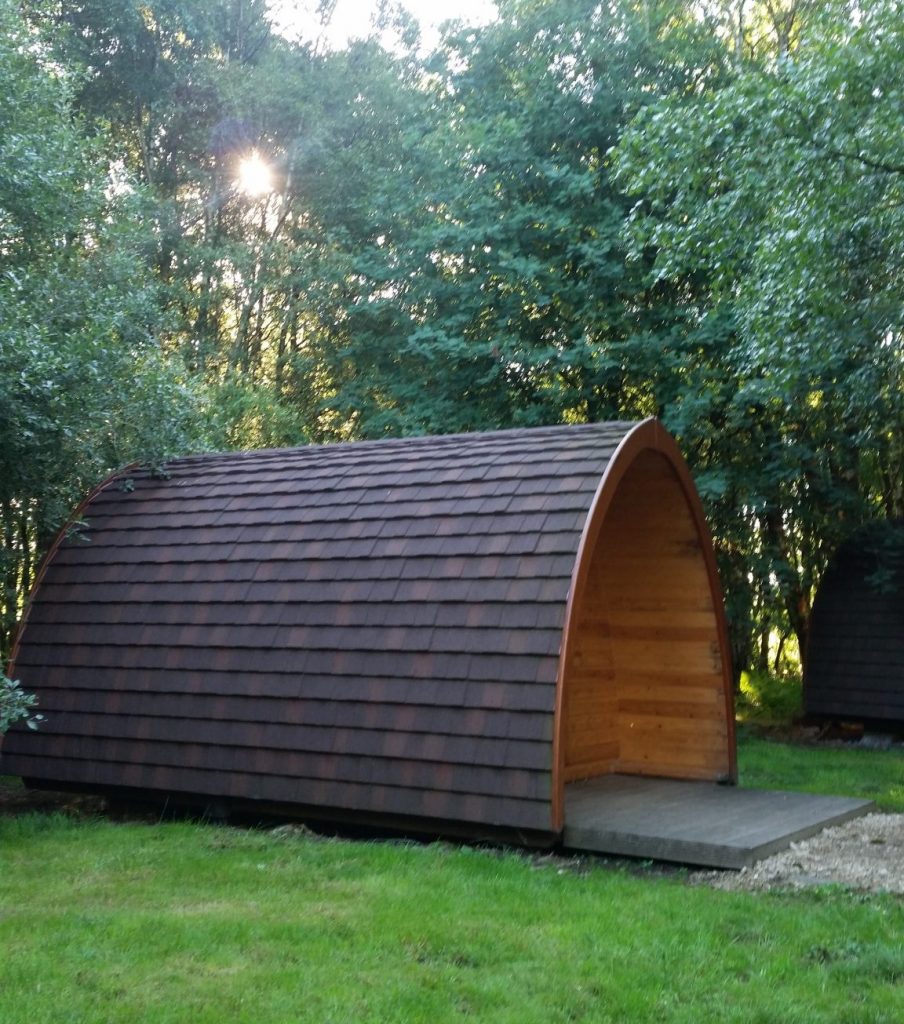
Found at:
<point>372,627</point>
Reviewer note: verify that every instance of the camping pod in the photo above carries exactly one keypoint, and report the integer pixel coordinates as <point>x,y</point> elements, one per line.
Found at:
<point>854,667</point>
<point>437,633</point>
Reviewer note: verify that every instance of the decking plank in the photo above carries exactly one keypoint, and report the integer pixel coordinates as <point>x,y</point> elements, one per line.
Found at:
<point>696,823</point>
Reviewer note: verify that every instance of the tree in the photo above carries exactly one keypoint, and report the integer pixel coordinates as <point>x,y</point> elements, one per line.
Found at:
<point>502,293</point>
<point>84,387</point>
<point>782,191</point>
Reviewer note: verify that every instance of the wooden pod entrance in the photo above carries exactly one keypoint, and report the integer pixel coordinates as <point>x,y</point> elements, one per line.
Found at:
<point>645,677</point>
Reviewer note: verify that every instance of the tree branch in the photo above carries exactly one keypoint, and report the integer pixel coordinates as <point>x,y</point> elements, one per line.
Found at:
<point>876,165</point>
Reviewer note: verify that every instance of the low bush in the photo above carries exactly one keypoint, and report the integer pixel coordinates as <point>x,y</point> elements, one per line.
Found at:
<point>16,705</point>
<point>768,700</point>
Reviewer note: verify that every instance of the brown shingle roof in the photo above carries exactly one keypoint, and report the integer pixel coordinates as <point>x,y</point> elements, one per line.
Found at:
<point>371,626</point>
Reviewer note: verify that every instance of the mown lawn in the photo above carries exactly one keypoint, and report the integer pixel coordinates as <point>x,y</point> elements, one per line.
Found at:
<point>176,922</point>
<point>876,775</point>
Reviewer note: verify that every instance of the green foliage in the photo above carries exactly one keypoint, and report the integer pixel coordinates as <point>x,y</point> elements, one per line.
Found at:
<point>502,294</point>
<point>775,201</point>
<point>16,705</point>
<point>765,699</point>
<point>182,923</point>
<point>84,385</point>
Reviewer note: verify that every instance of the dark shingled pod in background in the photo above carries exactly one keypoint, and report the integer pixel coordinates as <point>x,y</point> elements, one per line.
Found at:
<point>431,631</point>
<point>855,653</point>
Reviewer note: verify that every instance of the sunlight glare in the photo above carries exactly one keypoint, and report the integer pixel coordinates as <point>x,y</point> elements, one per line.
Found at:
<point>255,176</point>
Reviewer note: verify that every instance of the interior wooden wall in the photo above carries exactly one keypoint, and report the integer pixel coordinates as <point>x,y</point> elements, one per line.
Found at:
<point>644,687</point>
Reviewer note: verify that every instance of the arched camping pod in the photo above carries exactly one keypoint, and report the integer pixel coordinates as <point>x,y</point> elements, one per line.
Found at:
<point>437,631</point>
<point>854,667</point>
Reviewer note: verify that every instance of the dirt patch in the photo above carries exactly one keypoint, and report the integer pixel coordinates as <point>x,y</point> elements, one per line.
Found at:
<point>16,799</point>
<point>829,735</point>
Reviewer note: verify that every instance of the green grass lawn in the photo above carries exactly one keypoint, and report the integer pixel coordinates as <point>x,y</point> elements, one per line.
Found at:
<point>870,774</point>
<point>765,702</point>
<point>104,922</point>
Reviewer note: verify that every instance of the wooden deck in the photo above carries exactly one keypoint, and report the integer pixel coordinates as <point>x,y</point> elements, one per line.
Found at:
<point>697,823</point>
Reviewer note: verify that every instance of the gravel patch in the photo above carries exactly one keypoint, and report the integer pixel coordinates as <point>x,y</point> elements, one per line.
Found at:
<point>866,854</point>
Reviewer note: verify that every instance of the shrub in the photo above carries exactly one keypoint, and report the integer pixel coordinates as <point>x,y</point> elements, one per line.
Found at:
<point>768,700</point>
<point>16,705</point>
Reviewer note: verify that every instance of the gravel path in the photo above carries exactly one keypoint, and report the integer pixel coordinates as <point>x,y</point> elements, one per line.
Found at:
<point>866,853</point>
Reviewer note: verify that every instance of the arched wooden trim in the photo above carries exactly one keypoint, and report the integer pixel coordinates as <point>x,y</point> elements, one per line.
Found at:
<point>49,556</point>
<point>646,436</point>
